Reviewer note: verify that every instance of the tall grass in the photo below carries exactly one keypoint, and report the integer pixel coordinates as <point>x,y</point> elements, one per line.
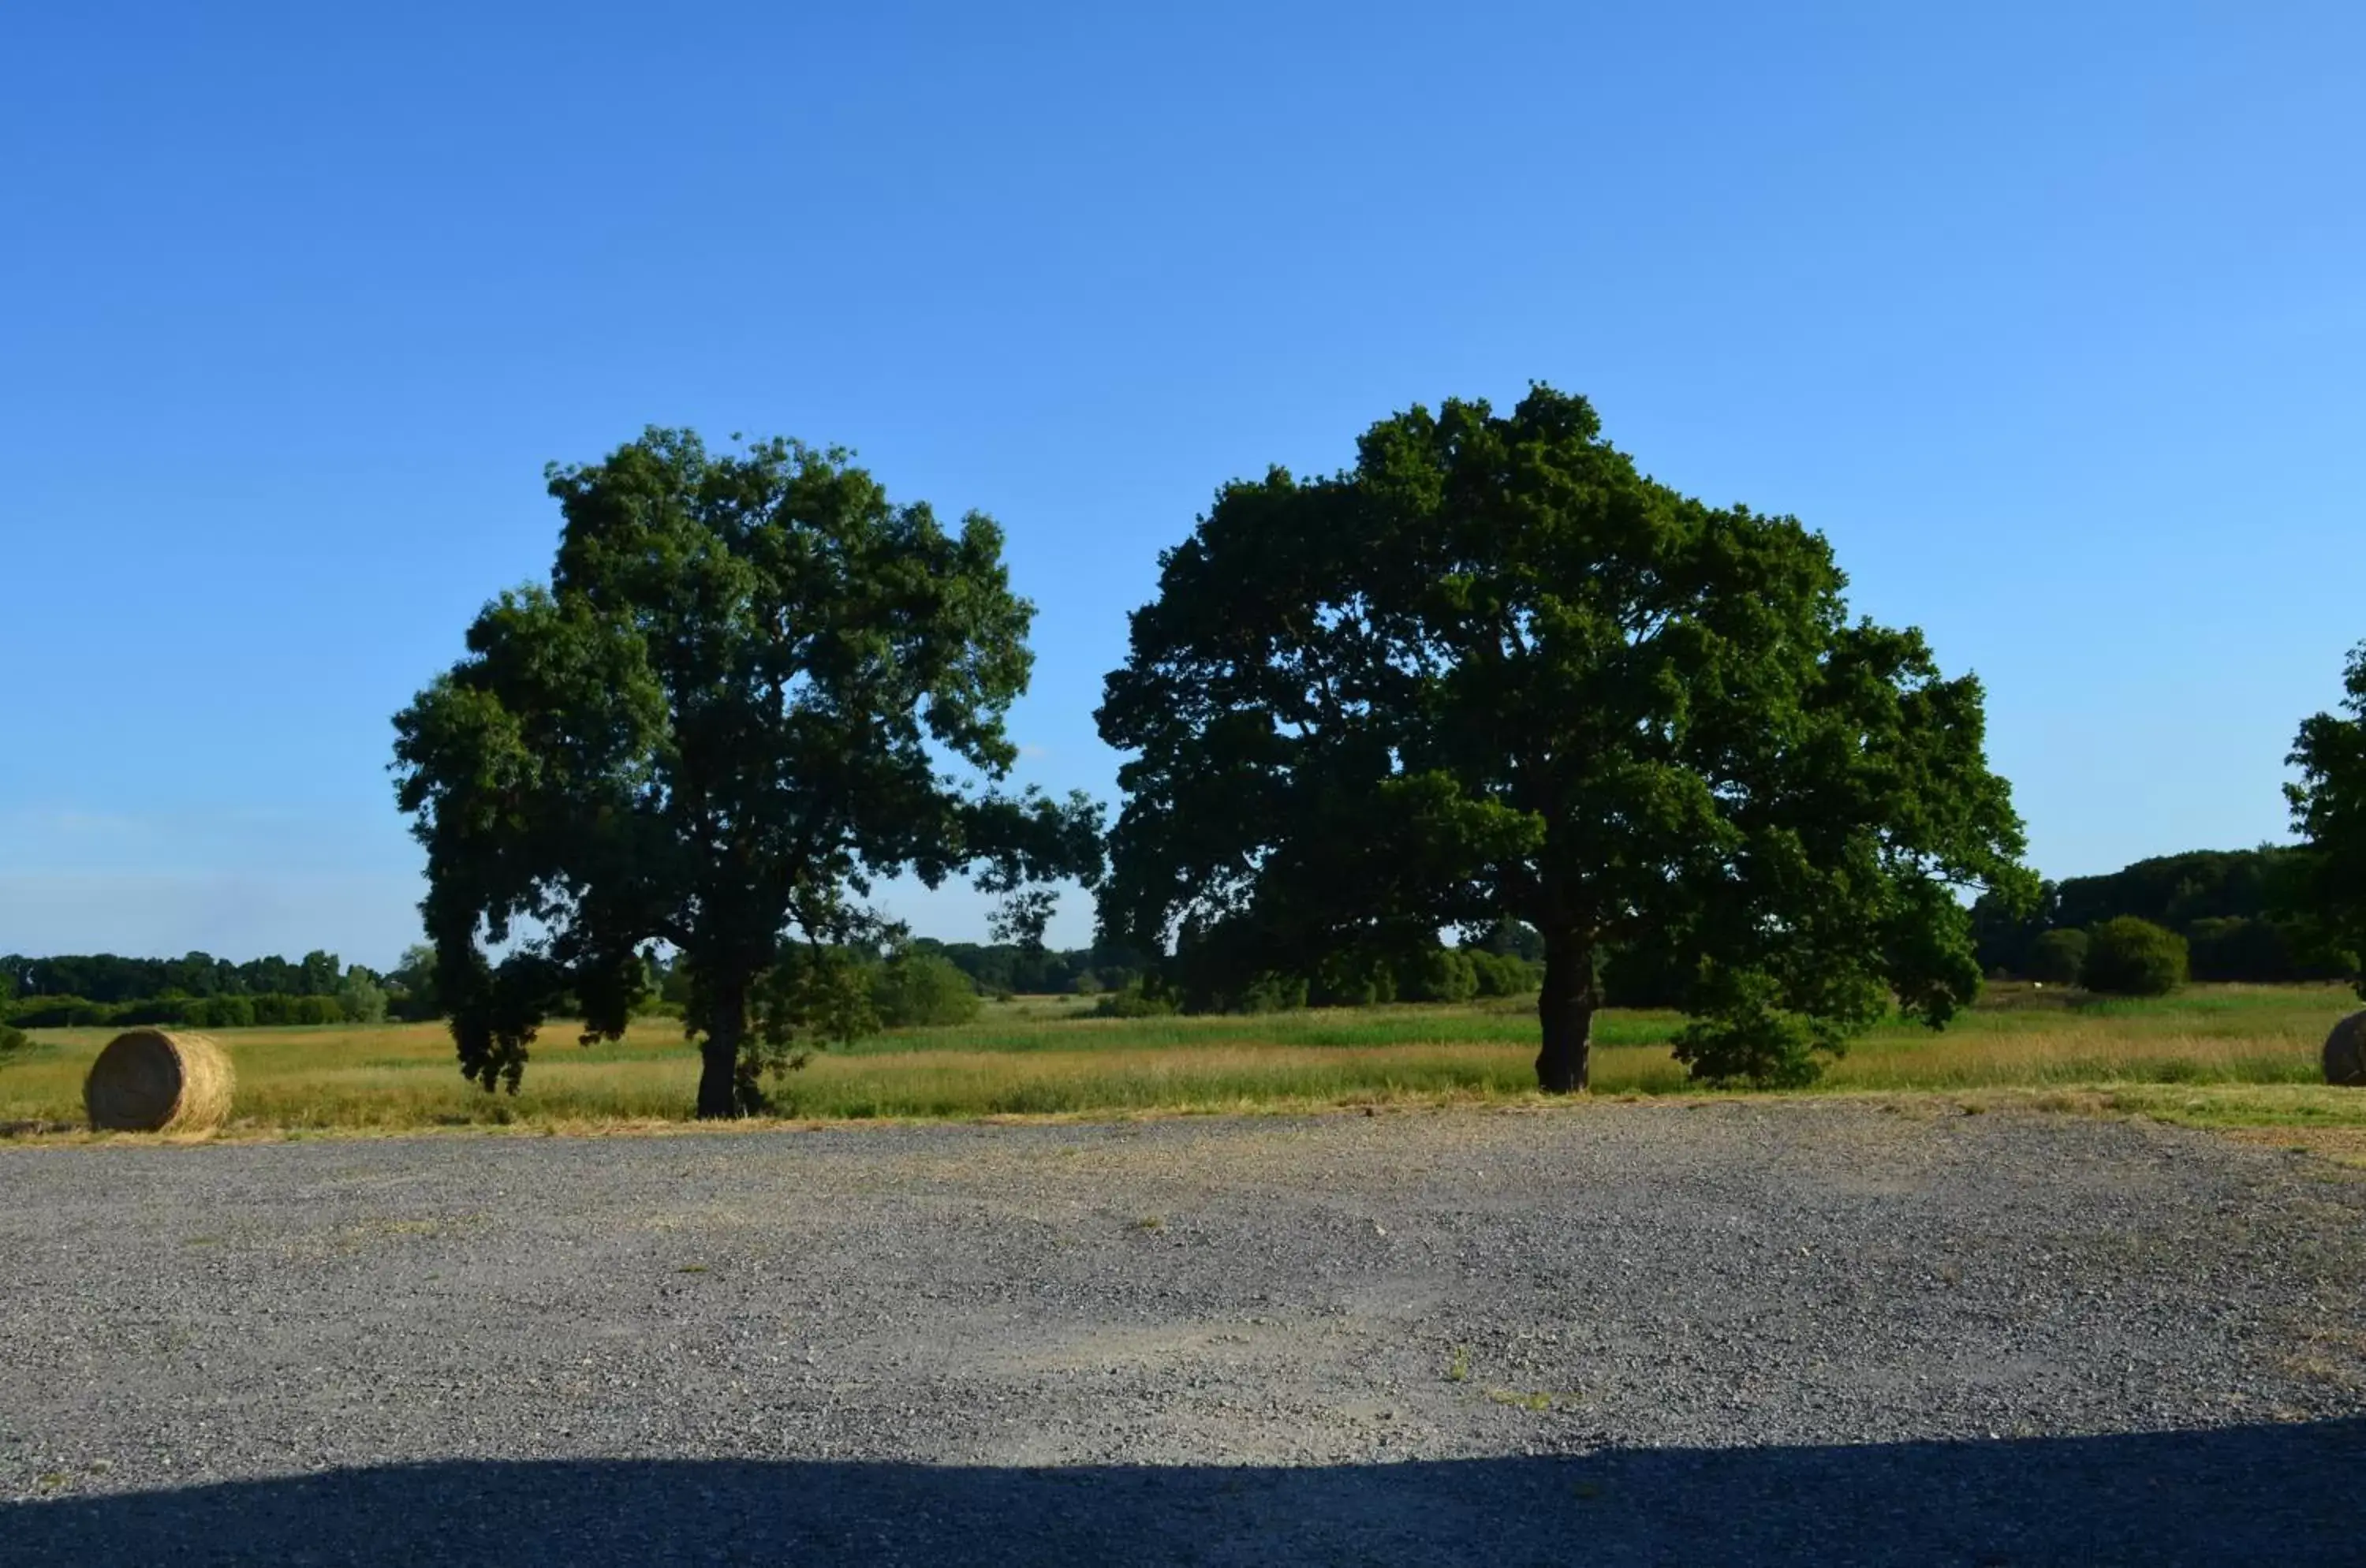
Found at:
<point>1044,1057</point>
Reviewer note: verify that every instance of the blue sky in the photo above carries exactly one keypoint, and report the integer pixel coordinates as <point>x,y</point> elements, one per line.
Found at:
<point>2051,316</point>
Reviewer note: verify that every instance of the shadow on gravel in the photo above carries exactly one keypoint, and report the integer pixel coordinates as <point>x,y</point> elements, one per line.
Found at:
<point>2271,1493</point>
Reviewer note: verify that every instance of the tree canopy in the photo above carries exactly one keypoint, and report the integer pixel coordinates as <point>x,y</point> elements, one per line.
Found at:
<point>2244,912</point>
<point>1494,670</point>
<point>2329,806</point>
<point>753,686</point>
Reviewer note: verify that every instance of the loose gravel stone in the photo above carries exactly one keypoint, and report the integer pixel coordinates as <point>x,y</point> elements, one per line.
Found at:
<point>1782,1330</point>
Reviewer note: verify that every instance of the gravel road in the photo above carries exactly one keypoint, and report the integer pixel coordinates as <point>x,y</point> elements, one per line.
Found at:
<point>1772,1331</point>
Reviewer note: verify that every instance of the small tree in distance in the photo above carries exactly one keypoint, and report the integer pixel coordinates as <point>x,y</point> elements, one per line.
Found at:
<point>2133,957</point>
<point>1493,671</point>
<point>2328,808</point>
<point>2058,957</point>
<point>732,709</point>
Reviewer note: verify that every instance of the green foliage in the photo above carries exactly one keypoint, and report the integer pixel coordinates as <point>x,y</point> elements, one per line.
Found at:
<point>59,1012</point>
<point>1493,673</point>
<point>1501,974</point>
<point>193,1012</point>
<point>108,978</point>
<point>1269,991</point>
<point>2328,808</point>
<point>1353,977</point>
<point>223,1012</point>
<point>2006,925</point>
<point>1132,1000</point>
<point>2261,950</point>
<point>729,714</point>
<point>361,999</point>
<point>2058,958</point>
<point>1438,975</point>
<point>1514,939</point>
<point>2132,957</point>
<point>13,1041</point>
<point>915,989</point>
<point>1647,973</point>
<point>2237,909</point>
<point>2177,890</point>
<point>1008,968</point>
<point>412,994</point>
<point>311,1011</point>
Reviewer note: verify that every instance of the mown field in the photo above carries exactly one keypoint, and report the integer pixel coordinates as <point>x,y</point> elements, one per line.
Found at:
<point>2233,1053</point>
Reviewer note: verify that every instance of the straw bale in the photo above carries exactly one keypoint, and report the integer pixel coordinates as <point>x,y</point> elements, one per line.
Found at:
<point>2344,1051</point>
<point>150,1081</point>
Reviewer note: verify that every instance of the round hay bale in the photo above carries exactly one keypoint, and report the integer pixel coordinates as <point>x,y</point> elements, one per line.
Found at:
<point>149,1082</point>
<point>2344,1051</point>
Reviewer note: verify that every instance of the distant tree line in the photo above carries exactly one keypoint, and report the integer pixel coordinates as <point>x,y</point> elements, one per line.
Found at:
<point>1004,968</point>
<point>109,977</point>
<point>2241,914</point>
<point>201,991</point>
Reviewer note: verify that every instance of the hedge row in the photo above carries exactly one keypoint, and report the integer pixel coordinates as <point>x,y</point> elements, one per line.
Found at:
<point>191,1012</point>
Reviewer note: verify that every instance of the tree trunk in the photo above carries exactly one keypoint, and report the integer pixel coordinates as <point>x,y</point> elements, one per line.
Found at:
<point>1565,1008</point>
<point>718,1058</point>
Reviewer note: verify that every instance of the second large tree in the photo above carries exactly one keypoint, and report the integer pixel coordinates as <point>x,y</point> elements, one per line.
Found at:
<point>1494,670</point>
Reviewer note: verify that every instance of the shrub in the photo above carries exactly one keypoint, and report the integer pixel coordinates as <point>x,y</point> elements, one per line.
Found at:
<point>283,1012</point>
<point>1273,992</point>
<point>1439,975</point>
<point>59,1012</point>
<point>2133,957</point>
<point>1501,974</point>
<point>2058,957</point>
<point>1350,978</point>
<point>921,990</point>
<point>222,1012</point>
<point>1130,1000</point>
<point>12,1040</point>
<point>361,999</point>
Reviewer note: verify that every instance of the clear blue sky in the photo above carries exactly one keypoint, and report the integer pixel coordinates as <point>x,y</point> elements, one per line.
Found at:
<point>2052,316</point>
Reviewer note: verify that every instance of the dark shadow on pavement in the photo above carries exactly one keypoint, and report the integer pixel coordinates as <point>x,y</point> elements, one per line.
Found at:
<point>2264,1494</point>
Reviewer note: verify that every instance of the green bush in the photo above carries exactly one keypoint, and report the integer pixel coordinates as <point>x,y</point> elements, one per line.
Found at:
<point>12,1040</point>
<point>222,1012</point>
<point>1501,974</point>
<point>1130,1000</point>
<point>1439,975</point>
<point>2133,958</point>
<point>2058,957</point>
<point>59,1012</point>
<point>285,1011</point>
<point>1272,992</point>
<point>192,1012</point>
<point>921,990</point>
<point>1351,978</point>
<point>361,999</point>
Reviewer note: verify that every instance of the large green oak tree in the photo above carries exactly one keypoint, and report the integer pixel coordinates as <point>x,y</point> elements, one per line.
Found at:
<point>1493,669</point>
<point>753,687</point>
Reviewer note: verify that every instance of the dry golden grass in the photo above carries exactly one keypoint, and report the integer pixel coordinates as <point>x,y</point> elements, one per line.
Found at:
<point>2220,1053</point>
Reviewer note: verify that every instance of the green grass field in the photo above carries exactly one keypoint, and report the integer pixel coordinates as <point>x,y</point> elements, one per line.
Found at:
<point>2241,1054</point>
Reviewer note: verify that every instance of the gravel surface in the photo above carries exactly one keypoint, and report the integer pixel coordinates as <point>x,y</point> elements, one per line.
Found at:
<point>1795,1330</point>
